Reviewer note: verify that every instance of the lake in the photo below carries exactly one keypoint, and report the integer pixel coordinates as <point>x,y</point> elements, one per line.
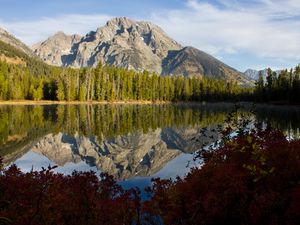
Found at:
<point>134,143</point>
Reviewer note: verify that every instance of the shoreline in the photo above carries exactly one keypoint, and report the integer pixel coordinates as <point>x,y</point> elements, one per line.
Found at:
<point>48,102</point>
<point>144,102</point>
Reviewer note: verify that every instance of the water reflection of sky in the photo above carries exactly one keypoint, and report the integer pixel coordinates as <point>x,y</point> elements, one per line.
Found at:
<point>179,166</point>
<point>33,161</point>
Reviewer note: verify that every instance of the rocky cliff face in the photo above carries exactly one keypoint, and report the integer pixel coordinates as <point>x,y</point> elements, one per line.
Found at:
<point>134,45</point>
<point>126,43</point>
<point>13,41</point>
<point>124,156</point>
<point>55,49</point>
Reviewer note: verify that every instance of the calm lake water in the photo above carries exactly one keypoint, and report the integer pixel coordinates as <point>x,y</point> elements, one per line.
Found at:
<point>132,142</point>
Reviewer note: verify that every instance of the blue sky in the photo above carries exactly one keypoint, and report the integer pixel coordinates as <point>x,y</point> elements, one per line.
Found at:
<point>242,33</point>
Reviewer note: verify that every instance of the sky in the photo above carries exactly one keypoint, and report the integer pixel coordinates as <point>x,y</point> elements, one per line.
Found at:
<point>242,33</point>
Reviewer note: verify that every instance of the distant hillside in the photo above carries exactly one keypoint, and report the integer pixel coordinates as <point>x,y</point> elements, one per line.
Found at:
<point>190,60</point>
<point>13,51</point>
<point>12,55</point>
<point>8,38</point>
<point>10,52</point>
<point>137,45</point>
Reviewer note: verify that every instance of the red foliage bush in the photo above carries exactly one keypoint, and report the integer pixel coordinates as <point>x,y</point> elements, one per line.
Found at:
<point>48,198</point>
<point>251,179</point>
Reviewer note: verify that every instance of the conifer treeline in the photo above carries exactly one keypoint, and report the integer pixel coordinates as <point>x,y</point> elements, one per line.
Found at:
<point>283,87</point>
<point>109,83</point>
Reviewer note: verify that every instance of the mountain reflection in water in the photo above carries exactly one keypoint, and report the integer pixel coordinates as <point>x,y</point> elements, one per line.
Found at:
<point>130,142</point>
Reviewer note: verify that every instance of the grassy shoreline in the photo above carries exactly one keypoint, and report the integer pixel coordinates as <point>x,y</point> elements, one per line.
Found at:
<point>143,102</point>
<point>48,102</point>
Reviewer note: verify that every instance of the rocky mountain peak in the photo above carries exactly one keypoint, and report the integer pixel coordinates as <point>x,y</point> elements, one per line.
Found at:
<point>120,21</point>
<point>56,47</point>
<point>124,42</point>
<point>60,34</point>
<point>137,45</point>
<point>62,39</point>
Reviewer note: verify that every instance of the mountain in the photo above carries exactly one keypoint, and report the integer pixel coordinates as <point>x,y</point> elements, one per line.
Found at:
<point>254,74</point>
<point>31,63</point>
<point>9,39</point>
<point>13,51</point>
<point>121,42</point>
<point>52,50</point>
<point>137,45</point>
<point>190,60</point>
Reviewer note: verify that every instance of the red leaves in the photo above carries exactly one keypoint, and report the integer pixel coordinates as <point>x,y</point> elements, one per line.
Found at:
<point>252,179</point>
<point>48,198</point>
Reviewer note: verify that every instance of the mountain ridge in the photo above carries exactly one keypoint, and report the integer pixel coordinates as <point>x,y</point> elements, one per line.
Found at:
<point>201,63</point>
<point>57,45</point>
<point>137,45</point>
<point>10,39</point>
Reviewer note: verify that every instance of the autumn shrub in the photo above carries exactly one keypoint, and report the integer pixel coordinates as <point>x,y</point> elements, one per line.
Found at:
<point>253,178</point>
<point>49,198</point>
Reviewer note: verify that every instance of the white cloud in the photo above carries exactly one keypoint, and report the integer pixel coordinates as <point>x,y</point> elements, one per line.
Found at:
<point>269,28</point>
<point>31,32</point>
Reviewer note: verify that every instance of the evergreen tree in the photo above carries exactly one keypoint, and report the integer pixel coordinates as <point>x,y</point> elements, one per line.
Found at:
<point>60,92</point>
<point>260,86</point>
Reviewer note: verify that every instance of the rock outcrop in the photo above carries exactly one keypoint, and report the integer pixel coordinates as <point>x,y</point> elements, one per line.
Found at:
<point>55,48</point>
